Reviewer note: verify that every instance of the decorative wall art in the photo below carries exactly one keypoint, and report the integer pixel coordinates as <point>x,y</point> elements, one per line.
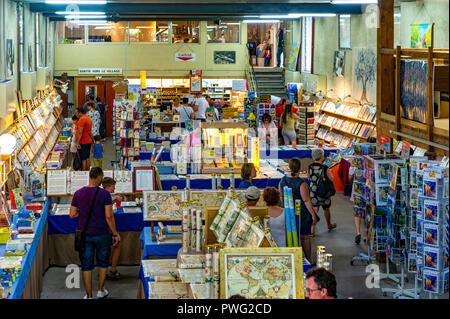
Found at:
<point>421,35</point>
<point>364,74</point>
<point>224,57</point>
<point>293,56</point>
<point>339,63</point>
<point>413,90</point>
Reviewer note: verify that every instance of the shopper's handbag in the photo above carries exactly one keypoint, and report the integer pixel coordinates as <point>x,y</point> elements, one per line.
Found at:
<point>80,235</point>
<point>325,187</point>
<point>77,162</point>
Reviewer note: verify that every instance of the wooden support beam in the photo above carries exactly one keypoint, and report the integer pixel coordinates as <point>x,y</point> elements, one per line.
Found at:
<point>398,63</point>
<point>385,63</point>
<point>430,106</point>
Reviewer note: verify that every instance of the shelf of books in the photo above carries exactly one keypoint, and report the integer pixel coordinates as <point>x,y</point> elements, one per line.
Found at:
<point>218,93</point>
<point>167,95</point>
<point>342,123</point>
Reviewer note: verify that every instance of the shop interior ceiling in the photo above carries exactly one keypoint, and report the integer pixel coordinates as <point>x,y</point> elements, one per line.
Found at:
<point>117,10</point>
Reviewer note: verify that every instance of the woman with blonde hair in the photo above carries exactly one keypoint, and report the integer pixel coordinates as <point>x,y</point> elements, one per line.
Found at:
<point>248,172</point>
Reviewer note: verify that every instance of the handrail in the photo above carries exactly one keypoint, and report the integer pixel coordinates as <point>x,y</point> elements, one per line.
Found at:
<point>251,73</point>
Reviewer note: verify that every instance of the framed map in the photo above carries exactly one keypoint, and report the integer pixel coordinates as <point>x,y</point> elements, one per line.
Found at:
<point>262,273</point>
<point>163,205</point>
<point>203,199</point>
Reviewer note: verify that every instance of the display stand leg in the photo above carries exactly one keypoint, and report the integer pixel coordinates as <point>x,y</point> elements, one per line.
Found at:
<point>400,292</point>
<point>364,257</point>
<point>152,231</point>
<point>416,287</point>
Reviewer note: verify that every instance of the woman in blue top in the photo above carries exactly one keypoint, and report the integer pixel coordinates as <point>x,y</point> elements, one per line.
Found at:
<point>248,172</point>
<point>300,190</point>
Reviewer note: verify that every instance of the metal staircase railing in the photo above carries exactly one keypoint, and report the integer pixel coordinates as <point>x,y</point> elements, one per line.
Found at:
<point>250,74</point>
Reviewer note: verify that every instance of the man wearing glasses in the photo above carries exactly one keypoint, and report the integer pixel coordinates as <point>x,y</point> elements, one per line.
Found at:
<point>320,284</point>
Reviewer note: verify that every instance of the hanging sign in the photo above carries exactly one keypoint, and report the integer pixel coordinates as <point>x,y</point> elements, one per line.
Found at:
<point>105,71</point>
<point>143,79</point>
<point>195,77</point>
<point>184,57</point>
<point>239,85</point>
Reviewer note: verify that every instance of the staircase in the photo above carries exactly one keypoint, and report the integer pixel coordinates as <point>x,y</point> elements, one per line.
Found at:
<point>270,81</point>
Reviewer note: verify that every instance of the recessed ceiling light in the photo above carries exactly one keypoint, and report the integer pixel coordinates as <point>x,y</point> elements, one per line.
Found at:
<point>75,2</point>
<point>79,13</point>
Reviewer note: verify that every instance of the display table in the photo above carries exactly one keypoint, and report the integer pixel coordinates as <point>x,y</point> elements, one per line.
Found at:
<point>143,292</point>
<point>61,230</point>
<point>306,153</point>
<point>160,140</point>
<point>180,183</point>
<point>165,156</point>
<point>151,248</point>
<point>29,284</point>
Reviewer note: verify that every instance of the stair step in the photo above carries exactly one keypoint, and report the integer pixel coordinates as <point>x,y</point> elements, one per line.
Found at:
<point>258,75</point>
<point>269,81</point>
<point>271,87</point>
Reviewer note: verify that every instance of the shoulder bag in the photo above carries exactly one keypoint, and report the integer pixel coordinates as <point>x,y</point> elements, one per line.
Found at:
<point>80,235</point>
<point>325,187</point>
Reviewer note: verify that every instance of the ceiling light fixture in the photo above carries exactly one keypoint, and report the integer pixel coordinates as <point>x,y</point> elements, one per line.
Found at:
<point>75,2</point>
<point>261,21</point>
<point>299,15</point>
<point>354,1</point>
<point>76,17</point>
<point>79,13</point>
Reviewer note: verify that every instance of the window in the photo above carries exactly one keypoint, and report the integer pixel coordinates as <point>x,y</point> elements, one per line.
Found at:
<point>344,31</point>
<point>70,33</point>
<point>21,37</point>
<point>226,32</point>
<point>111,32</point>
<point>307,44</point>
<point>185,31</point>
<point>148,31</point>
<point>42,26</point>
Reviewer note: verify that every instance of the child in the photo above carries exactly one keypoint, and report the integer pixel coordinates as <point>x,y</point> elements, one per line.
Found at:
<point>73,147</point>
<point>98,150</point>
<point>109,184</point>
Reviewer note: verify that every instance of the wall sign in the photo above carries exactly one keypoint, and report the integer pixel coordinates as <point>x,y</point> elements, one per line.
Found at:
<point>185,57</point>
<point>195,81</point>
<point>224,57</point>
<point>104,71</point>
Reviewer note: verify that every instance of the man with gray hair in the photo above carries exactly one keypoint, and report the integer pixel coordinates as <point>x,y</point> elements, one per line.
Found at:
<point>317,171</point>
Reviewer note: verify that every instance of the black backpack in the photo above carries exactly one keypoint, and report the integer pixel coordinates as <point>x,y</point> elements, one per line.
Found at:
<point>77,165</point>
<point>325,187</point>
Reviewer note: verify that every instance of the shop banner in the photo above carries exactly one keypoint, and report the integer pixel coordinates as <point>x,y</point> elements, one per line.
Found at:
<point>185,57</point>
<point>105,71</point>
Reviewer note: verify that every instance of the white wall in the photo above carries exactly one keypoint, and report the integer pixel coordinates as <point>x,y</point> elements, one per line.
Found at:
<point>426,11</point>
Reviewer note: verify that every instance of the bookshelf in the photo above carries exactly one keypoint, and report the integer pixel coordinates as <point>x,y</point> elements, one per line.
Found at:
<point>344,123</point>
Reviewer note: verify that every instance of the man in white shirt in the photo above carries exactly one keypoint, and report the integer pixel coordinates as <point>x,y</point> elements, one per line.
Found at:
<point>201,104</point>
<point>185,111</point>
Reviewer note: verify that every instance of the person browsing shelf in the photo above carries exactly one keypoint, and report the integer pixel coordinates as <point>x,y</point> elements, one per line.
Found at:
<point>83,138</point>
<point>186,112</point>
<point>267,131</point>
<point>94,115</point>
<point>288,125</point>
<point>200,106</point>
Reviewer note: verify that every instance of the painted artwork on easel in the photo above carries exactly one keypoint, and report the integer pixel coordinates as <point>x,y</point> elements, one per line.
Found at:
<point>421,35</point>
<point>413,90</point>
<point>364,74</point>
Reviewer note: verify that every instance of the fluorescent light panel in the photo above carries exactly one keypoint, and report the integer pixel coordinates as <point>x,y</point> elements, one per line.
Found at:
<point>261,21</point>
<point>355,1</point>
<point>80,13</point>
<point>76,17</point>
<point>75,2</point>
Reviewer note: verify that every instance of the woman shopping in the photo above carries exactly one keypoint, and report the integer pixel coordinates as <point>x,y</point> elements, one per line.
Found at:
<point>318,173</point>
<point>300,191</point>
<point>277,220</point>
<point>288,125</point>
<point>267,131</point>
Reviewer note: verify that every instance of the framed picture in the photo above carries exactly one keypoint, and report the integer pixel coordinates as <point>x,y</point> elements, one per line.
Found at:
<point>203,199</point>
<point>246,272</point>
<point>224,57</point>
<point>344,31</point>
<point>339,63</point>
<point>144,179</point>
<point>163,205</point>
<point>421,35</point>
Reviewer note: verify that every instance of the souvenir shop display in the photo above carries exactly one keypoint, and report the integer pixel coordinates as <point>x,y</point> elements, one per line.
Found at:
<point>163,205</point>
<point>345,123</point>
<point>266,108</point>
<point>305,123</point>
<point>254,273</point>
<point>128,129</point>
<point>250,110</point>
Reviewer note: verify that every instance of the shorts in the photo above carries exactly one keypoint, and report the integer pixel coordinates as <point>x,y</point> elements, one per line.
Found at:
<point>305,223</point>
<point>100,246</point>
<point>85,151</point>
<point>98,162</point>
<point>324,206</point>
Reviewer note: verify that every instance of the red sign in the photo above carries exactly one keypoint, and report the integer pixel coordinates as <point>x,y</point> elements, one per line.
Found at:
<point>185,57</point>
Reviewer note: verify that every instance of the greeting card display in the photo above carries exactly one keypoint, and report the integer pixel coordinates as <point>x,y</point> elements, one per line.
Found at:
<point>381,194</point>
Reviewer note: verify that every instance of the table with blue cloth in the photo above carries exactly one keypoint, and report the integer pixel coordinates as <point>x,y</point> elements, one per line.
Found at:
<point>151,248</point>
<point>61,236</point>
<point>160,140</point>
<point>304,153</point>
<point>34,263</point>
<point>180,183</point>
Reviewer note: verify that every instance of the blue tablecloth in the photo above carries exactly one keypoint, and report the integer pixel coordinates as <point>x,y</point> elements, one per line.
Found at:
<point>165,156</point>
<point>152,248</point>
<point>207,183</point>
<point>160,140</point>
<point>303,153</point>
<point>27,261</point>
<point>63,224</point>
